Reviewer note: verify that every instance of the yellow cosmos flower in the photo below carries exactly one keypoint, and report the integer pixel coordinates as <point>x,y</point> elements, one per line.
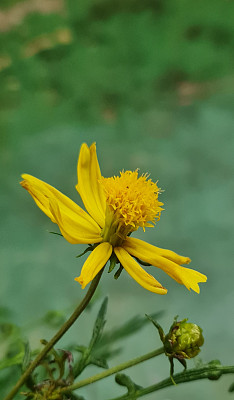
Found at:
<point>115,207</point>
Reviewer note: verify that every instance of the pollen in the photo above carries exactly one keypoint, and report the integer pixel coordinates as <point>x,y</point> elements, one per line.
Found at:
<point>133,199</point>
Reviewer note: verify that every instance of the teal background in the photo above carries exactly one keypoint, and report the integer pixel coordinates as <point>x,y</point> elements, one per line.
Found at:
<point>152,84</point>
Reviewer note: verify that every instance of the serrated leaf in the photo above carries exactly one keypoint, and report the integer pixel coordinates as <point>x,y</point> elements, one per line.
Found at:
<point>99,324</point>
<point>88,353</point>
<point>107,353</point>
<point>128,328</point>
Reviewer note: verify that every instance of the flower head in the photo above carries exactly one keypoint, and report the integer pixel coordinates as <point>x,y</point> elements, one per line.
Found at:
<point>183,340</point>
<point>126,208</point>
<point>116,207</point>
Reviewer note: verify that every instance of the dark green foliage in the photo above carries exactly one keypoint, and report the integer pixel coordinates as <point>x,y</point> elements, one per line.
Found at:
<point>112,54</point>
<point>54,319</point>
<point>132,326</point>
<point>88,353</point>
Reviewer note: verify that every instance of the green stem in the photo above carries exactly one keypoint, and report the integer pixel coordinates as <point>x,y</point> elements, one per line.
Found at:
<point>212,372</point>
<point>113,370</point>
<point>83,304</point>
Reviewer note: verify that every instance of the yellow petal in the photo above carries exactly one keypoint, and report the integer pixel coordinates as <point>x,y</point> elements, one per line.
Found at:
<point>148,253</point>
<point>94,263</point>
<point>76,225</point>
<point>136,272</point>
<point>73,227</point>
<point>88,186</point>
<point>170,255</point>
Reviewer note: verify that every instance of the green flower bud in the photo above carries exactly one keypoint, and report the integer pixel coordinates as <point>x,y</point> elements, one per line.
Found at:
<point>183,340</point>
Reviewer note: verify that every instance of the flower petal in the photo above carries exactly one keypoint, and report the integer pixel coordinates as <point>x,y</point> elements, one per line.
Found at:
<point>170,255</point>
<point>148,253</point>
<point>89,186</point>
<point>137,272</point>
<point>94,263</point>
<point>76,225</point>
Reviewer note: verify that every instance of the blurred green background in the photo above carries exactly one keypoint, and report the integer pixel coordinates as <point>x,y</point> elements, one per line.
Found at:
<point>152,82</point>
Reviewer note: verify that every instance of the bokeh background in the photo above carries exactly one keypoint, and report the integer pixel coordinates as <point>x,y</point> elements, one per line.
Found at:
<point>152,82</point>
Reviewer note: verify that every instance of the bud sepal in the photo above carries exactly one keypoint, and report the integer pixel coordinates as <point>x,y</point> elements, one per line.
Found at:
<point>182,342</point>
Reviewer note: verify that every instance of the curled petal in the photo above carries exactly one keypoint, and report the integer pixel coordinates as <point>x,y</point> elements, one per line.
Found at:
<point>75,224</point>
<point>94,263</point>
<point>146,280</point>
<point>150,254</point>
<point>89,186</point>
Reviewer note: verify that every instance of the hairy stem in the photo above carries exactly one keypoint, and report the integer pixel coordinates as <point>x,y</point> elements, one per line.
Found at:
<point>209,371</point>
<point>113,370</point>
<point>83,304</point>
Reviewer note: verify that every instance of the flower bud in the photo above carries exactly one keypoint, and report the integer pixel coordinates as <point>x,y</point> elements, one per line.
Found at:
<point>183,340</point>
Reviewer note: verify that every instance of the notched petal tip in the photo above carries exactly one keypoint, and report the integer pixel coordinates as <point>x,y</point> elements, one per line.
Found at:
<point>166,260</point>
<point>191,278</point>
<point>24,183</point>
<point>81,282</point>
<point>161,290</point>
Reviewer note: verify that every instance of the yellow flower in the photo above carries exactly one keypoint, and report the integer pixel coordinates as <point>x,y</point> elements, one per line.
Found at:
<point>116,207</point>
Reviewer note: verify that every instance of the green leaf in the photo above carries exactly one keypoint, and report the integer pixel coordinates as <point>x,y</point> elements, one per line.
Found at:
<point>99,362</point>
<point>231,388</point>
<point>113,262</point>
<point>118,272</point>
<point>159,328</point>
<point>99,324</point>
<point>7,329</point>
<point>56,233</point>
<point>9,362</point>
<point>88,353</point>
<point>126,329</point>
<point>214,375</point>
<point>125,380</point>
<point>54,319</point>
<point>81,349</point>
<point>90,248</point>
<point>27,357</point>
<point>5,312</point>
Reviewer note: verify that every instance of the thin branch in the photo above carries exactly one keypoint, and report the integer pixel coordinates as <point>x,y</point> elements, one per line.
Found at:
<point>57,336</point>
<point>113,370</point>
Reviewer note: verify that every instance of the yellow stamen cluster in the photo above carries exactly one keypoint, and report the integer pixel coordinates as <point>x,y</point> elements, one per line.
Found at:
<point>133,199</point>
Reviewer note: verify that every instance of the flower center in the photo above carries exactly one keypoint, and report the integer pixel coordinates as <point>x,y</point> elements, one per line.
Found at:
<point>132,202</point>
